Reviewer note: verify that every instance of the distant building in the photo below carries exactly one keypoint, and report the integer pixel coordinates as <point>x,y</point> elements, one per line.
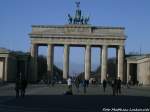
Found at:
<point>13,65</point>
<point>138,69</point>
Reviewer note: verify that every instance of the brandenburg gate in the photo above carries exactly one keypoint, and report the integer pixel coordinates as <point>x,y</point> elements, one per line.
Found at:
<point>77,33</point>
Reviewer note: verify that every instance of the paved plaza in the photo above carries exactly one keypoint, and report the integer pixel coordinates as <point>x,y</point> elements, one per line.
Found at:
<point>44,98</point>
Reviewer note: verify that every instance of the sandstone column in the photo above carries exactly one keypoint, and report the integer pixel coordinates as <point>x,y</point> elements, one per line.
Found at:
<point>50,61</point>
<point>128,72</point>
<point>99,75</point>
<point>138,71</point>
<point>116,70</point>
<point>26,68</point>
<point>6,69</point>
<point>87,62</point>
<point>34,55</point>
<point>66,62</point>
<point>104,63</point>
<point>120,62</point>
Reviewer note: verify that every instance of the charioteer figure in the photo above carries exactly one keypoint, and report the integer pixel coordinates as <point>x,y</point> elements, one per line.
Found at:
<point>78,18</point>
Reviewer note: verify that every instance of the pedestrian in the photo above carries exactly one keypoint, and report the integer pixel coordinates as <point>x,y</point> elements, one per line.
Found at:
<point>113,84</point>
<point>104,85</point>
<point>118,86</point>
<point>23,87</point>
<point>127,85</point>
<point>53,82</point>
<point>84,86</point>
<point>17,87</point>
<point>69,83</point>
<point>87,83</point>
<point>77,83</point>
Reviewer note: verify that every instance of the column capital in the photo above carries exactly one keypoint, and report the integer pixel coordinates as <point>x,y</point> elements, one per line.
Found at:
<point>66,44</point>
<point>104,47</point>
<point>34,44</point>
<point>34,50</point>
<point>87,45</point>
<point>121,46</point>
<point>50,44</point>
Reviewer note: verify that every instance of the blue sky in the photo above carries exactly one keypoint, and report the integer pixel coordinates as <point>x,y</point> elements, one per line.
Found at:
<point>17,16</point>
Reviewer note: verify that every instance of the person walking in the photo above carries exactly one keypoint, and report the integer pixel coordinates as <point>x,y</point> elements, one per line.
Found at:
<point>23,87</point>
<point>77,83</point>
<point>118,86</point>
<point>114,84</point>
<point>84,86</point>
<point>87,83</point>
<point>104,85</point>
<point>17,87</point>
<point>69,83</point>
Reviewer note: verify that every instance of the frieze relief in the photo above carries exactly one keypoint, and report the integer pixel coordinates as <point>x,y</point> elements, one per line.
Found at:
<point>78,41</point>
<point>78,30</point>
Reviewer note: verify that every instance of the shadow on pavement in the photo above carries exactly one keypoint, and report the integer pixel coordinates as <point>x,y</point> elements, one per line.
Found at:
<point>76,103</point>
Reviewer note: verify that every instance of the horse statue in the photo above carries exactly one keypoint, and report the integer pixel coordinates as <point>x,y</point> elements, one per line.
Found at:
<point>77,18</point>
<point>86,20</point>
<point>70,19</point>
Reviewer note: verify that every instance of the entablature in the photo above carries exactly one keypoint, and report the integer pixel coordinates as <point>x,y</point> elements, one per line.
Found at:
<point>77,30</point>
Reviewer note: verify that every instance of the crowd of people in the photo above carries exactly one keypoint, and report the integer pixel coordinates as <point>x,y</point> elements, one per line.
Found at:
<point>115,85</point>
<point>76,82</point>
<point>21,85</point>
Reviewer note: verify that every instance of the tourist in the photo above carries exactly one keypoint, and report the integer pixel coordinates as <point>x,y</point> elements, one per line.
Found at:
<point>84,86</point>
<point>128,85</point>
<point>87,83</point>
<point>52,82</point>
<point>77,83</point>
<point>118,86</point>
<point>69,83</point>
<point>17,87</point>
<point>114,84</point>
<point>104,85</point>
<point>23,87</point>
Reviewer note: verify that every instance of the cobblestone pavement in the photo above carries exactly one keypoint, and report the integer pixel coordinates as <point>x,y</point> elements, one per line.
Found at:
<point>44,98</point>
